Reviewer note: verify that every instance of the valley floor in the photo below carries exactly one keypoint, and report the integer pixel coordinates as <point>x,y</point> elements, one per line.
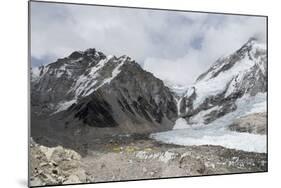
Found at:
<point>139,157</point>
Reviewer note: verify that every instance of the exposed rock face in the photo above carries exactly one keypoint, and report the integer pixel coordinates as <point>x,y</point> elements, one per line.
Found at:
<point>133,96</point>
<point>230,78</point>
<point>52,166</point>
<point>91,89</point>
<point>52,83</point>
<point>253,123</point>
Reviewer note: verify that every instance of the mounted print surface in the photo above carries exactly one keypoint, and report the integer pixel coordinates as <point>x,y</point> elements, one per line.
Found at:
<point>119,93</point>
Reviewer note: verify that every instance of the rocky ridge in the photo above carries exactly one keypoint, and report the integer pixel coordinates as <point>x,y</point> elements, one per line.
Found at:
<point>89,88</point>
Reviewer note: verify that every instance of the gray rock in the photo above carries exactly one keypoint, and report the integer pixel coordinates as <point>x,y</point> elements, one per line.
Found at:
<point>72,179</point>
<point>191,165</point>
<point>253,123</point>
<point>52,166</point>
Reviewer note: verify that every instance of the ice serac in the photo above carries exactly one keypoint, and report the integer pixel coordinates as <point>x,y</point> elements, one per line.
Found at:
<point>89,91</point>
<point>215,92</point>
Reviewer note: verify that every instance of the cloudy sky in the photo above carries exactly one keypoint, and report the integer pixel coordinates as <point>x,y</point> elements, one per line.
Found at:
<point>174,46</point>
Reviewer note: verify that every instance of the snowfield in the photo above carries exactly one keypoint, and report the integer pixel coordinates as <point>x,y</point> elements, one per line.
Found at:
<point>217,133</point>
<point>228,139</point>
<point>181,124</point>
<point>64,105</point>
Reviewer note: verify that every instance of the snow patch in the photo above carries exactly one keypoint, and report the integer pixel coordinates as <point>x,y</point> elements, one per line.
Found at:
<point>181,124</point>
<point>115,72</point>
<point>233,84</point>
<point>189,92</point>
<point>163,157</point>
<point>64,105</point>
<point>199,118</point>
<point>85,82</point>
<point>178,100</point>
<point>167,156</point>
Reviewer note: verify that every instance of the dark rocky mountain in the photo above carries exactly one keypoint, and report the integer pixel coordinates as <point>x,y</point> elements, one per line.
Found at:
<point>215,92</point>
<point>96,94</point>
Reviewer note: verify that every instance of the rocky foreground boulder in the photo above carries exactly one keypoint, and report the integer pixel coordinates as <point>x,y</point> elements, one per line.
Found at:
<point>138,157</point>
<point>57,165</point>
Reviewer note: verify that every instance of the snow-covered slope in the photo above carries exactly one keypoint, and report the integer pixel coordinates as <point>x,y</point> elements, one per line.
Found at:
<point>230,78</point>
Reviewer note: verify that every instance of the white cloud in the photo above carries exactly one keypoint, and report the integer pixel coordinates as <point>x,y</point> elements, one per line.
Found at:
<point>217,41</point>
<point>175,46</point>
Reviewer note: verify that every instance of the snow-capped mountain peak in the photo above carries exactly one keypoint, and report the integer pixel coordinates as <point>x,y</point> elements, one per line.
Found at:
<point>81,73</point>
<point>252,52</point>
<point>231,77</point>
